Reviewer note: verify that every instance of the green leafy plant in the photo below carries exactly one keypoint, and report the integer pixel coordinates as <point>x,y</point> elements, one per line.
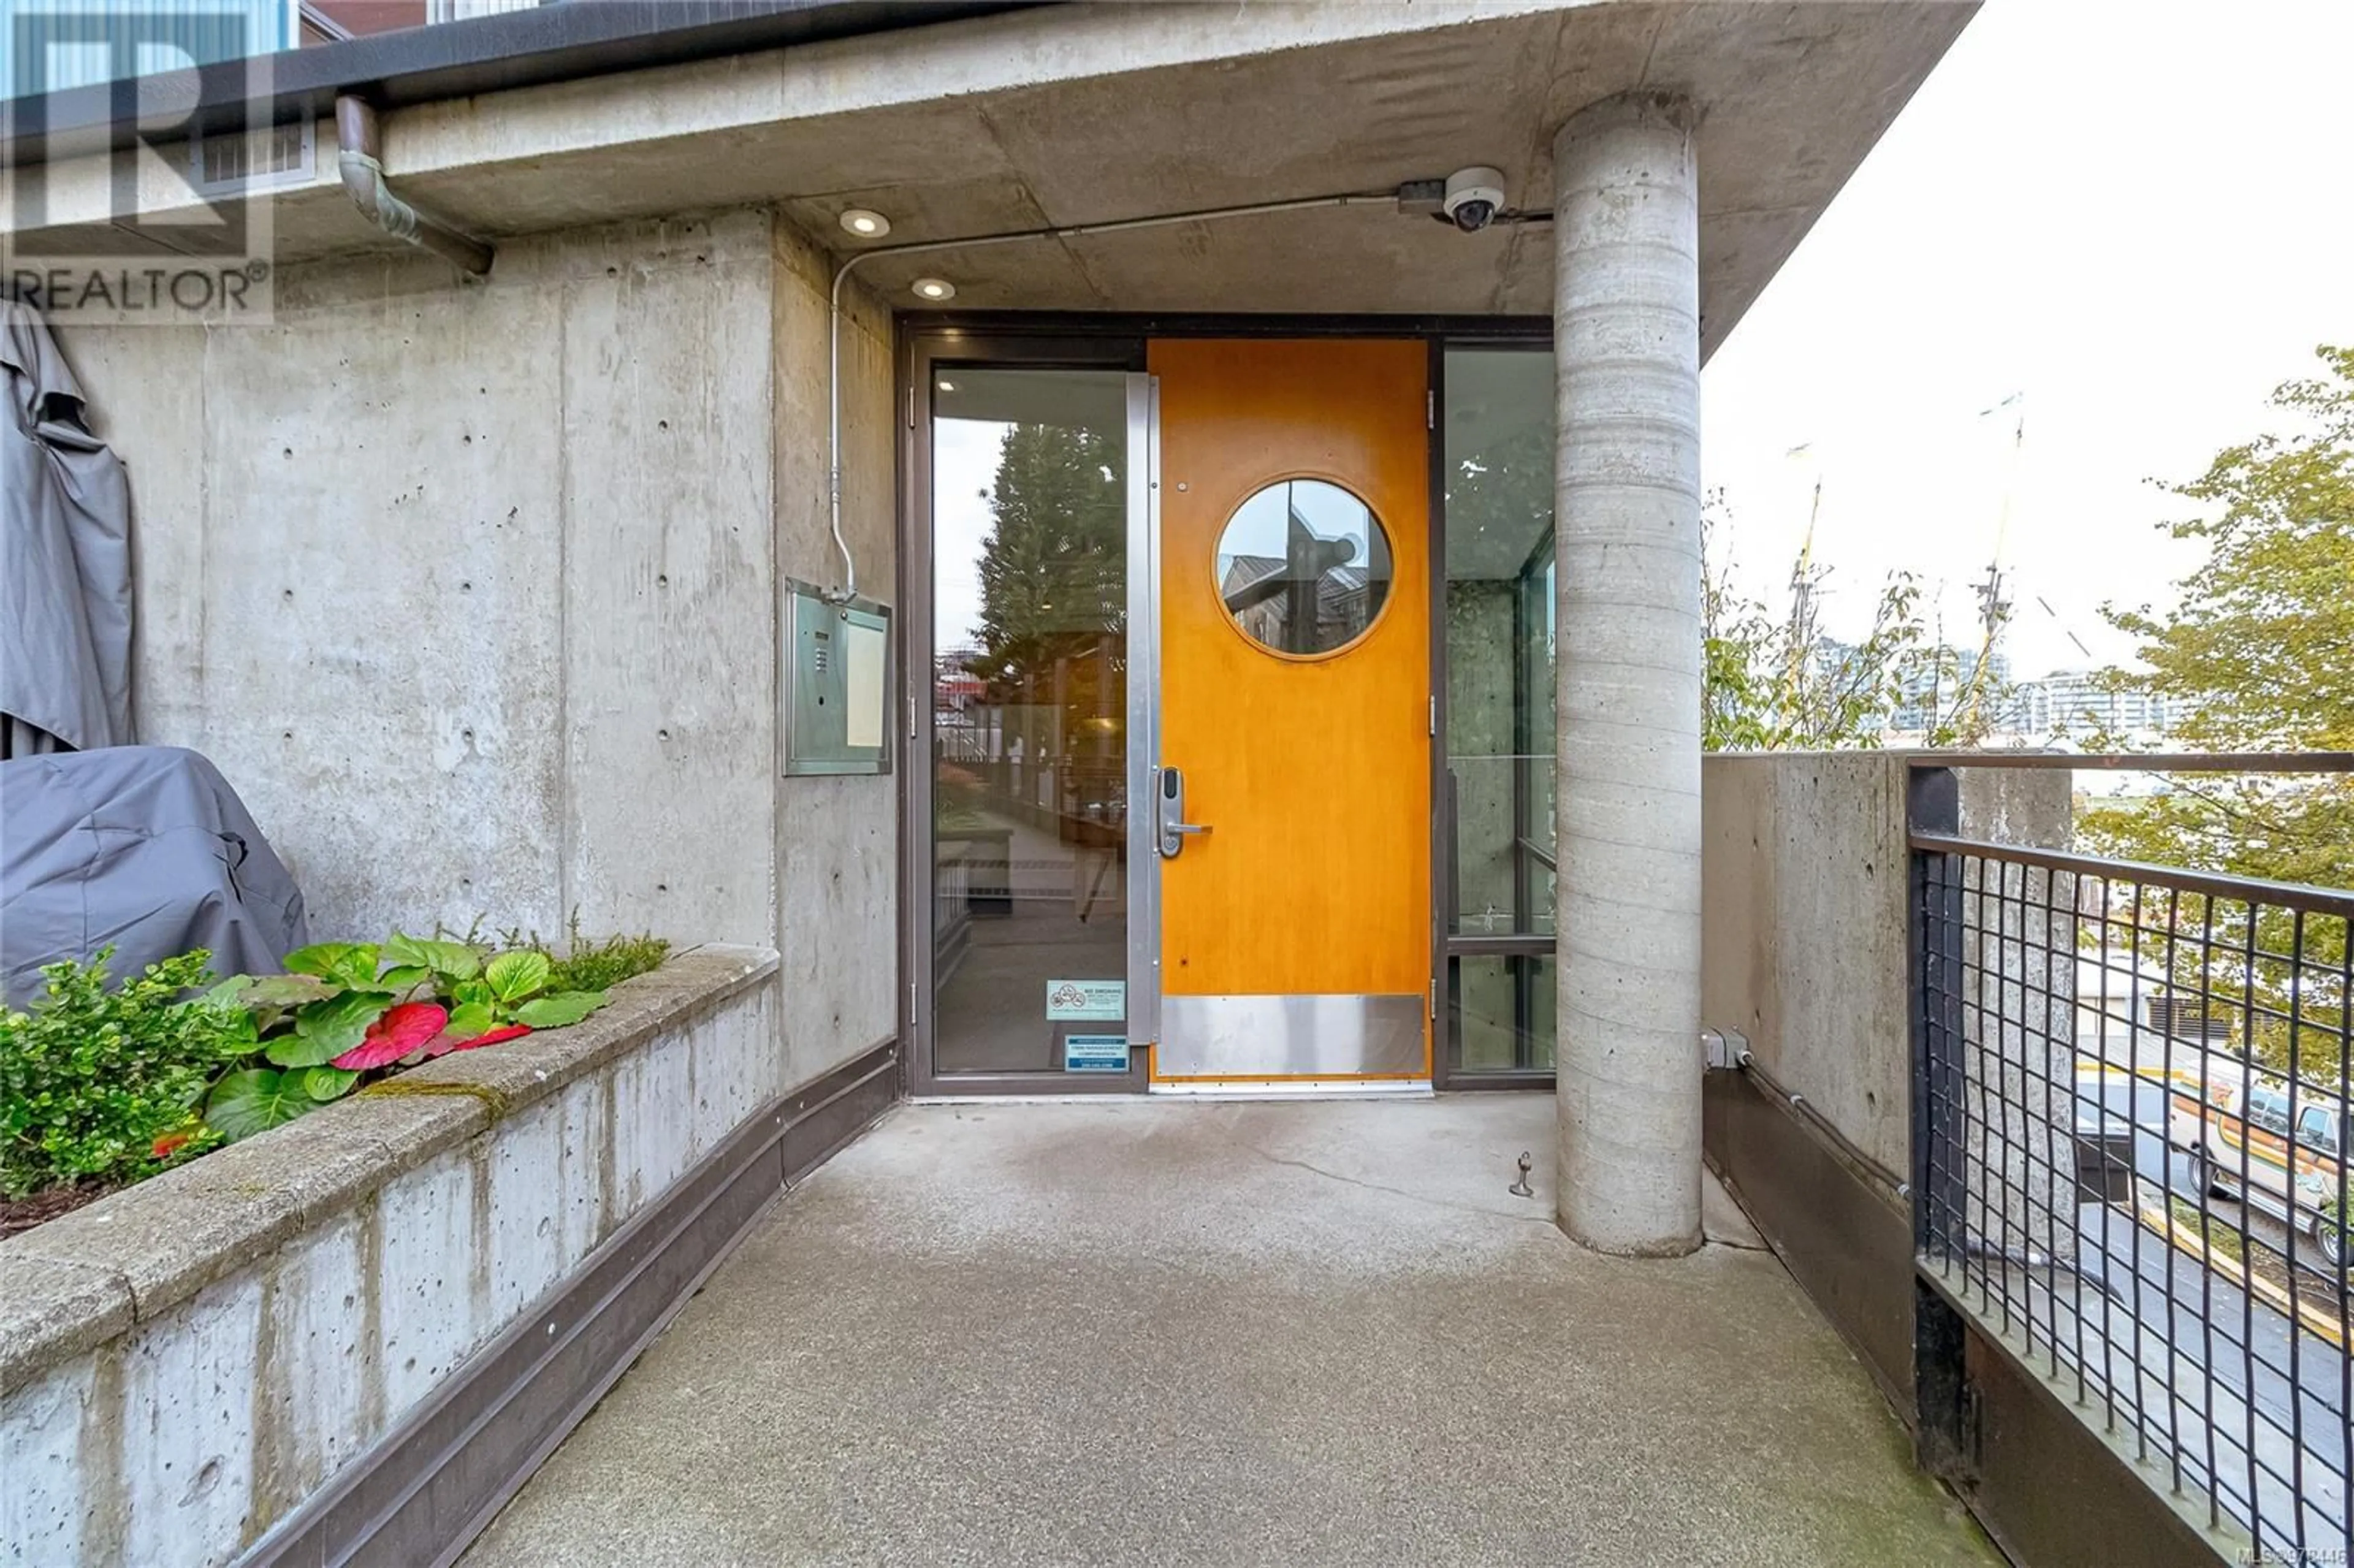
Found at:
<point>99,1085</point>
<point>602,965</point>
<point>2257,654</point>
<point>344,1011</point>
<point>585,963</point>
<point>1772,681</point>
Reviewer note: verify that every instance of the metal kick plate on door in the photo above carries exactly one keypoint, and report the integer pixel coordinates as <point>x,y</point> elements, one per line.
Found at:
<point>1290,1036</point>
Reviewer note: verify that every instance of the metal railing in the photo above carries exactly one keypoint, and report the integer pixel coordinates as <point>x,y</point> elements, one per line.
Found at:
<point>2131,1133</point>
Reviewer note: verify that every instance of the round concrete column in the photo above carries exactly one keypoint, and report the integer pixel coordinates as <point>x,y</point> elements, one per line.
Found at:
<point>1628,627</point>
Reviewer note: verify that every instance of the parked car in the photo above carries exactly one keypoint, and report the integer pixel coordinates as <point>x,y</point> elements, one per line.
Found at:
<point>2240,1128</point>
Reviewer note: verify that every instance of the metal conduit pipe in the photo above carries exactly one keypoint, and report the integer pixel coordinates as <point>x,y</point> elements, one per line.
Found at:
<point>360,160</point>
<point>849,589</point>
<point>1798,1106</point>
<point>1821,1125</point>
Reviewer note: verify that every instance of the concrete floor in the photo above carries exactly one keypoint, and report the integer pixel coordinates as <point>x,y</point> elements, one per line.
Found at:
<point>1135,1331</point>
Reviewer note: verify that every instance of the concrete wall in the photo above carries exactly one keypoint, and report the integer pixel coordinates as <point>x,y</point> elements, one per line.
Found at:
<point>472,589</point>
<point>2019,1019</point>
<point>1802,931</point>
<point>182,1363</point>
<point>1804,871</point>
<point>836,839</point>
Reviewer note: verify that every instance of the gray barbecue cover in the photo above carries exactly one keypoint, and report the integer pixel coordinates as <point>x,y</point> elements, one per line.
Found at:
<point>144,847</point>
<point>65,556</point>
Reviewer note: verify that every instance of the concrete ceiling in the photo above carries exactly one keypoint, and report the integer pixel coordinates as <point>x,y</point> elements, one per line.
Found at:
<point>1071,115</point>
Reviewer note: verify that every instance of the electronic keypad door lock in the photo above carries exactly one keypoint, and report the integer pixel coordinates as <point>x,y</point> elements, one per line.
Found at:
<point>1169,813</point>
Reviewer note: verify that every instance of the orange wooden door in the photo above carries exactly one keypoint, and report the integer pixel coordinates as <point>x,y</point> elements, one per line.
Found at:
<point>1296,931</point>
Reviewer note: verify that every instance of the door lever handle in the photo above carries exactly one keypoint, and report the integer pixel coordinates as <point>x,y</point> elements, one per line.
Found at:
<point>1169,801</point>
<point>1174,836</point>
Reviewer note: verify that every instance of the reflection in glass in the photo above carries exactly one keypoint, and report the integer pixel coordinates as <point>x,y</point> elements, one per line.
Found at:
<point>1303,567</point>
<point>1499,455</point>
<point>1500,639</point>
<point>1029,707</point>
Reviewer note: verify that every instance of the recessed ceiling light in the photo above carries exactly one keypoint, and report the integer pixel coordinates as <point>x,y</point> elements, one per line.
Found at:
<point>934,288</point>
<point>948,386</point>
<point>864,224</point>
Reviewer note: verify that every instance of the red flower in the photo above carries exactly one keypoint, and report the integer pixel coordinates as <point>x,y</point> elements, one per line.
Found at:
<point>170,1143</point>
<point>401,1030</point>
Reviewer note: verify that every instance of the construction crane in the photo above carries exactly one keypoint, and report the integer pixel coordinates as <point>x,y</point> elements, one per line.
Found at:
<point>1993,608</point>
<point>1801,633</point>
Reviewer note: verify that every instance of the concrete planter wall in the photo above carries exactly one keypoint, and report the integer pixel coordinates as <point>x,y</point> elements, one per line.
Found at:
<point>185,1363</point>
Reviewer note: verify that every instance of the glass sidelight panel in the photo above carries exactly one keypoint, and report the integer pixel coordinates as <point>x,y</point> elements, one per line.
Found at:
<point>1498,491</point>
<point>1504,1013</point>
<point>1030,719</point>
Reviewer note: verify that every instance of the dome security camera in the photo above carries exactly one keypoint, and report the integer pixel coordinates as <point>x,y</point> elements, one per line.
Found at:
<point>1473,197</point>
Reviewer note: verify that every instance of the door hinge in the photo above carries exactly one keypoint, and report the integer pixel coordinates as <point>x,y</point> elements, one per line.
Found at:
<point>911,408</point>
<point>911,716</point>
<point>1434,717</point>
<point>1434,998</point>
<point>1430,409</point>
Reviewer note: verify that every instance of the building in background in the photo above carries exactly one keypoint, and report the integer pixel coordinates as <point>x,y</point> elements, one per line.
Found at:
<point>54,48</point>
<point>2079,705</point>
<point>1934,691</point>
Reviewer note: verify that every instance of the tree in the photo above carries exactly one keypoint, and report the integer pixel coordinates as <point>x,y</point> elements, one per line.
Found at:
<point>1052,572</point>
<point>1773,683</point>
<point>1054,606</point>
<point>2260,657</point>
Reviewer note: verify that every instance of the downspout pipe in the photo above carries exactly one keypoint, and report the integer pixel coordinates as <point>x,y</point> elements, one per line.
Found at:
<point>360,160</point>
<point>849,589</point>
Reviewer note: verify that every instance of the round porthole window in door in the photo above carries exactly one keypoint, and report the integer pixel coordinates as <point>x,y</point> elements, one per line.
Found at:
<point>1303,568</point>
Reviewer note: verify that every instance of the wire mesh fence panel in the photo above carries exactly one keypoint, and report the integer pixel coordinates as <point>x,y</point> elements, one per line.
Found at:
<point>2132,1129</point>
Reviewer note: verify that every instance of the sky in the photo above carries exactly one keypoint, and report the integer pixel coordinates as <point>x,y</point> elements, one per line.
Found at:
<point>964,462</point>
<point>2135,220</point>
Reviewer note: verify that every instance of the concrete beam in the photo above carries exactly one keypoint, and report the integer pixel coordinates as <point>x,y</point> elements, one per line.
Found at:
<point>1627,329</point>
